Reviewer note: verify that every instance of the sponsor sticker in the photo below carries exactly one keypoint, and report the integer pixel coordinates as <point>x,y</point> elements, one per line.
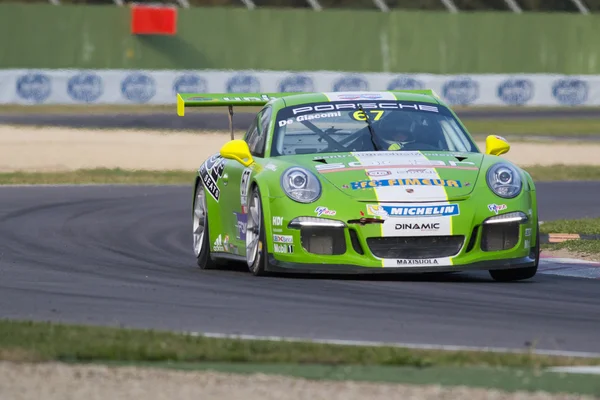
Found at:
<point>405,182</point>
<point>527,244</point>
<point>496,208</point>
<point>408,163</point>
<point>324,211</point>
<point>412,211</point>
<point>386,105</point>
<point>425,261</point>
<point>283,248</point>
<point>309,117</point>
<point>226,243</point>
<point>241,224</point>
<point>527,232</point>
<point>277,221</point>
<point>271,167</point>
<point>244,186</point>
<point>378,172</point>
<point>210,172</point>
<point>419,226</point>
<point>283,239</point>
<point>218,245</point>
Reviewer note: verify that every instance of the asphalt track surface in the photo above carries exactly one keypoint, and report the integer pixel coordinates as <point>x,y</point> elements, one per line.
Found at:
<point>122,256</point>
<point>241,120</point>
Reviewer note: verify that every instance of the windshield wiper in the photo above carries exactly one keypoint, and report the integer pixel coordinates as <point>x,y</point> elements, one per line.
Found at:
<point>371,130</point>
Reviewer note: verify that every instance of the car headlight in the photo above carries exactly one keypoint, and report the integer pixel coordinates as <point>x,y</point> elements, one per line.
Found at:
<point>504,180</point>
<point>300,185</point>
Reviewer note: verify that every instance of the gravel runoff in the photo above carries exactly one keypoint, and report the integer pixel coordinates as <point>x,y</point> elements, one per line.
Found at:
<point>54,381</point>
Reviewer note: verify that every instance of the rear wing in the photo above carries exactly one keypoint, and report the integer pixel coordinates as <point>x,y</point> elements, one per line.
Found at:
<point>226,99</point>
<point>249,99</point>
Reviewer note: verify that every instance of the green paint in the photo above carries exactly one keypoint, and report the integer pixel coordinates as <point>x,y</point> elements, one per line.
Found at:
<point>79,36</point>
<point>450,186</point>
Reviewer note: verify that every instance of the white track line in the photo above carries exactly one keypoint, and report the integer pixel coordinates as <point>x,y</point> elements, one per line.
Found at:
<point>400,345</point>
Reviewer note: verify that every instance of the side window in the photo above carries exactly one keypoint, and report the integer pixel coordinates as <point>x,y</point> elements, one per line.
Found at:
<point>257,133</point>
<point>252,135</point>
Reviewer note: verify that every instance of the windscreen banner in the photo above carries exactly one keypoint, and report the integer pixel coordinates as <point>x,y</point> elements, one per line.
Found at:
<point>160,87</point>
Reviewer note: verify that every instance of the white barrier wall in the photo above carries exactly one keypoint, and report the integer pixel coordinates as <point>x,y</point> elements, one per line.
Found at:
<point>160,87</point>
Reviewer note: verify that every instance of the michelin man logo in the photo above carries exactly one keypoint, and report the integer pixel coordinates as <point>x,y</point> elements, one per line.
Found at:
<point>242,83</point>
<point>351,83</point>
<point>297,83</point>
<point>190,83</point>
<point>34,87</point>
<point>461,91</point>
<point>515,91</point>
<point>405,83</point>
<point>85,87</point>
<point>570,91</point>
<point>138,87</point>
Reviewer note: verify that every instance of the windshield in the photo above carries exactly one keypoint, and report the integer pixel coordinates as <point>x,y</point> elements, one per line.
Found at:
<point>334,127</point>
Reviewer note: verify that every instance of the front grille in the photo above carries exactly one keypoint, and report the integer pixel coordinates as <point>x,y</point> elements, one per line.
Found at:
<point>502,236</point>
<point>323,240</point>
<point>415,247</point>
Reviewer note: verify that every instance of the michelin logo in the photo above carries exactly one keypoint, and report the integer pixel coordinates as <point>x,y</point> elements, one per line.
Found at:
<point>405,83</point>
<point>242,83</point>
<point>138,88</point>
<point>412,211</point>
<point>352,83</point>
<point>297,83</point>
<point>190,83</point>
<point>571,92</point>
<point>515,91</point>
<point>85,87</point>
<point>34,87</point>
<point>461,91</point>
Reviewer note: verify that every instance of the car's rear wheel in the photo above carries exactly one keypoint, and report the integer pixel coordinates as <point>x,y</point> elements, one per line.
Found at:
<point>519,274</point>
<point>200,229</point>
<point>255,235</point>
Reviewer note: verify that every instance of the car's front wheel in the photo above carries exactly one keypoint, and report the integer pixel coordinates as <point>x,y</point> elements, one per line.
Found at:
<point>519,274</point>
<point>255,235</point>
<point>200,229</point>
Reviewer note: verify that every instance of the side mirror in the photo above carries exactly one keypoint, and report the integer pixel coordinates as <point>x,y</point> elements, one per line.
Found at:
<point>496,145</point>
<point>237,150</point>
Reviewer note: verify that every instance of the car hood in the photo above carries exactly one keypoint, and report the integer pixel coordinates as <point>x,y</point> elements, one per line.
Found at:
<point>399,176</point>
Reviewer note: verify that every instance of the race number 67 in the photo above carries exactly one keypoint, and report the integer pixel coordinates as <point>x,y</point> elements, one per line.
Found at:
<point>359,115</point>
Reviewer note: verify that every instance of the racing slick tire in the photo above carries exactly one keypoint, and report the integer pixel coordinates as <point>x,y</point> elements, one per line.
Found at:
<point>519,274</point>
<point>256,245</point>
<point>200,229</point>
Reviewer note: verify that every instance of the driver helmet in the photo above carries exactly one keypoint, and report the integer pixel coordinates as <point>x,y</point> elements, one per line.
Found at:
<point>396,129</point>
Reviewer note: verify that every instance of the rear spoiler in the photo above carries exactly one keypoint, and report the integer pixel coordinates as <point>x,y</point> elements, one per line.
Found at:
<point>226,99</point>
<point>248,100</point>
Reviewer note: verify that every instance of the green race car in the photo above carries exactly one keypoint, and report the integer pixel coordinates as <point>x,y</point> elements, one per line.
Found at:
<point>361,182</point>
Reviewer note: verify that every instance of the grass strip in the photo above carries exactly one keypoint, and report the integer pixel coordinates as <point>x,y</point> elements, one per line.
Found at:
<point>133,177</point>
<point>535,127</point>
<point>100,176</point>
<point>43,341</point>
<point>581,226</point>
<point>505,379</point>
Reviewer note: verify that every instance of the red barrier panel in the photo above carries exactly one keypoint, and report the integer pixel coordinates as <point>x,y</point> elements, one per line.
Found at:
<point>153,20</point>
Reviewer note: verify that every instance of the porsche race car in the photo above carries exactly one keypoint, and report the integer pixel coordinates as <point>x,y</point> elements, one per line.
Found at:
<point>361,182</point>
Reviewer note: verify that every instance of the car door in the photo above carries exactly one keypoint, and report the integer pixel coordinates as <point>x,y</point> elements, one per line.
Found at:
<point>236,181</point>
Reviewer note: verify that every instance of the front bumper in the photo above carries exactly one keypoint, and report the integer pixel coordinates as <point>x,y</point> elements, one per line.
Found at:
<point>333,269</point>
<point>461,239</point>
